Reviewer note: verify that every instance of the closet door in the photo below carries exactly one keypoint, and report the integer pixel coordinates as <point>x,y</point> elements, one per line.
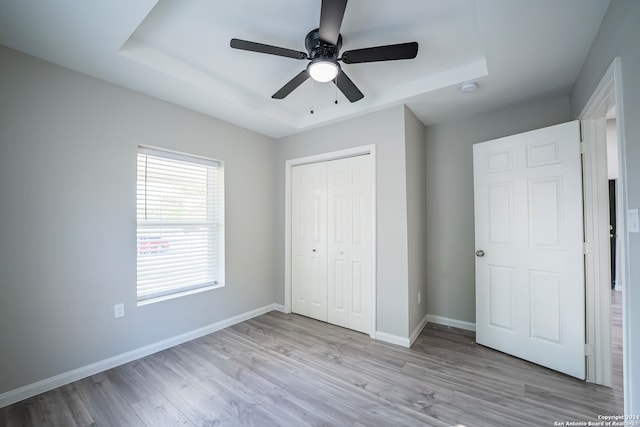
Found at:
<point>349,242</point>
<point>309,240</point>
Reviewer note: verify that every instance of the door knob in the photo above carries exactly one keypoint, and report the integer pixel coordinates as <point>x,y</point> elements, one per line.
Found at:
<point>480,253</point>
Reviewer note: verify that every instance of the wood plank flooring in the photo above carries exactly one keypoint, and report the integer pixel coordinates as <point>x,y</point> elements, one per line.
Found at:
<point>616,340</point>
<point>288,370</point>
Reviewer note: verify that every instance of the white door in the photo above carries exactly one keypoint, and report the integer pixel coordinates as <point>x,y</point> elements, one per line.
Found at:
<point>309,240</point>
<point>349,245</point>
<point>529,239</point>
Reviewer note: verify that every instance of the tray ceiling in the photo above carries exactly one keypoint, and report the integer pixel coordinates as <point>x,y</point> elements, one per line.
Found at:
<point>179,51</point>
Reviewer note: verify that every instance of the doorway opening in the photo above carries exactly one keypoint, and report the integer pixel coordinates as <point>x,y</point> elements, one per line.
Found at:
<point>606,241</point>
<point>616,250</point>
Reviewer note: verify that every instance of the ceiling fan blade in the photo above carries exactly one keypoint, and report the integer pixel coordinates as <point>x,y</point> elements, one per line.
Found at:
<point>291,85</point>
<point>390,52</point>
<point>347,87</point>
<point>268,49</point>
<point>331,19</point>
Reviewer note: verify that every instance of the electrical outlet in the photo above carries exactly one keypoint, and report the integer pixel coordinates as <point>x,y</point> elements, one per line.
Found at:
<point>419,297</point>
<point>118,310</point>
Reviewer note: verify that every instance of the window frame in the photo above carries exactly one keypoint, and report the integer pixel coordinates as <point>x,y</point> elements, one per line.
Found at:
<point>215,213</point>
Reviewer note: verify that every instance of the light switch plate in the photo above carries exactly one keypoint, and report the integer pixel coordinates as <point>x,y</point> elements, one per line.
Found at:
<point>633,221</point>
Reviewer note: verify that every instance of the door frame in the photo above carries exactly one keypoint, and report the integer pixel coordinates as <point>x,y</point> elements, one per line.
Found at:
<point>323,157</point>
<point>607,93</point>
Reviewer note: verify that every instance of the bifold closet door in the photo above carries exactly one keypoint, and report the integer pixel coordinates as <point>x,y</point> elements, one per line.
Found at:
<point>309,240</point>
<point>349,242</point>
<point>331,222</point>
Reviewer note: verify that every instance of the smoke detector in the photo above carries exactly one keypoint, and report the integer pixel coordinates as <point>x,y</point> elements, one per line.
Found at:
<point>468,87</point>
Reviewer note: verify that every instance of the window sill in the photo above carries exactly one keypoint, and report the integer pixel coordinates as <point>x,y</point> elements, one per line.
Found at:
<point>178,295</point>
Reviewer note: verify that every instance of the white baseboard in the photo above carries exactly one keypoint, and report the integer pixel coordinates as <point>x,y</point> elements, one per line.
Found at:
<point>393,339</point>
<point>279,307</point>
<point>440,320</point>
<point>418,329</point>
<point>30,390</point>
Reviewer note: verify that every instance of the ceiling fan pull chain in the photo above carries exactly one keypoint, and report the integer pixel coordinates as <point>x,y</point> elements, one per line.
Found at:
<point>312,92</point>
<point>335,81</point>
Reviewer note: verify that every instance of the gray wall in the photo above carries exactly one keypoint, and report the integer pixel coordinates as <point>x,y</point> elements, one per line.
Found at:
<point>619,36</point>
<point>416,217</point>
<point>67,202</point>
<point>450,230</point>
<point>385,129</point>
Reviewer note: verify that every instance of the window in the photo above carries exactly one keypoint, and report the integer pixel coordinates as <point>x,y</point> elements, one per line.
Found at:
<point>180,224</point>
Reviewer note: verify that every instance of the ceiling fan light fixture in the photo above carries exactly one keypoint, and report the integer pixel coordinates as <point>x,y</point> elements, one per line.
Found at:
<point>323,70</point>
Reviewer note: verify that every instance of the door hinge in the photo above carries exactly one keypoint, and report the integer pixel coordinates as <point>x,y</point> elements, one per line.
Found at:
<point>583,148</point>
<point>586,248</point>
<point>588,350</point>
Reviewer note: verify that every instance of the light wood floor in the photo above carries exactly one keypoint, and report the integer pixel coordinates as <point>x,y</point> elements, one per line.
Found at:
<point>288,370</point>
<point>616,340</point>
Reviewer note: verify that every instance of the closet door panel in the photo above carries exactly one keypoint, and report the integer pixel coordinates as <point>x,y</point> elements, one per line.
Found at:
<point>309,240</point>
<point>339,229</point>
<point>299,244</point>
<point>360,225</point>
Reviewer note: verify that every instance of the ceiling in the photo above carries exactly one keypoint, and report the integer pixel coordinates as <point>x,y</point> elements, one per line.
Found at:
<point>178,51</point>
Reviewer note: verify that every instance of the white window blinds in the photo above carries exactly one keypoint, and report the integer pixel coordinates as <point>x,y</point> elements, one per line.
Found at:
<point>180,230</point>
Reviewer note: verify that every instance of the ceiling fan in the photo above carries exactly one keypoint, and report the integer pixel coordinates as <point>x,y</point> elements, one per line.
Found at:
<point>323,49</point>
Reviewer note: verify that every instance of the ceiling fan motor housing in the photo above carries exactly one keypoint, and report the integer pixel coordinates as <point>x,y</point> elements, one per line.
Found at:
<point>318,48</point>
